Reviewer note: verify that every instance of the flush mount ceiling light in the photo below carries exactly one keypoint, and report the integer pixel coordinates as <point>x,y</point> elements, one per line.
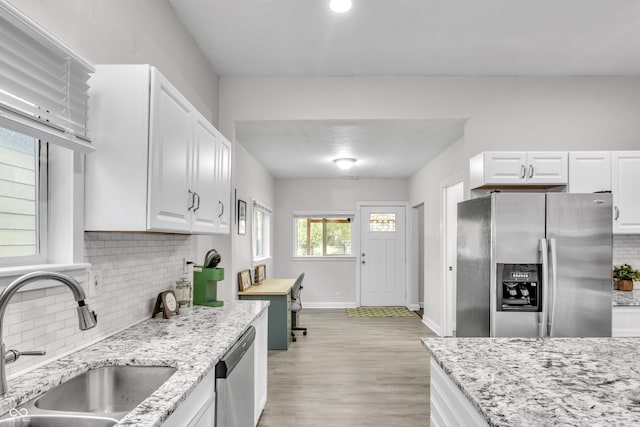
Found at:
<point>340,6</point>
<point>344,163</point>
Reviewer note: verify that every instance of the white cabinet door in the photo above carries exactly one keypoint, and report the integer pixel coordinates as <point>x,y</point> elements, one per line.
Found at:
<point>589,171</point>
<point>223,184</point>
<point>205,147</point>
<point>626,321</point>
<point>169,157</point>
<point>626,189</point>
<point>198,409</point>
<point>547,167</point>
<point>260,356</point>
<point>504,167</point>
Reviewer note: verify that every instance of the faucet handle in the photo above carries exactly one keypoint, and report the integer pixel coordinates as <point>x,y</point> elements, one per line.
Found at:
<point>13,355</point>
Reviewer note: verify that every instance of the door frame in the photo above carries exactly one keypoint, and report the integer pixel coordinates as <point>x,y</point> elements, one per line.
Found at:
<point>358,244</point>
<point>447,305</point>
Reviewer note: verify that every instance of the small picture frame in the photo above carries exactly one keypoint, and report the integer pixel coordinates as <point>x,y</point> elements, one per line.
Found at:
<point>242,217</point>
<point>261,273</point>
<point>244,280</point>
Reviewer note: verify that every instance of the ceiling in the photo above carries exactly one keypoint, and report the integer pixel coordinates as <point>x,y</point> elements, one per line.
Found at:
<point>400,38</point>
<point>383,148</point>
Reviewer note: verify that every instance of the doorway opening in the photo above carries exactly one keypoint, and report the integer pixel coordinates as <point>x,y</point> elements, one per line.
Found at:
<point>417,259</point>
<point>452,194</point>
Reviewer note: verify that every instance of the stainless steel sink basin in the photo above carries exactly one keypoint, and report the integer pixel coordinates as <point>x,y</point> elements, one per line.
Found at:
<point>96,398</point>
<point>107,390</point>
<point>57,421</point>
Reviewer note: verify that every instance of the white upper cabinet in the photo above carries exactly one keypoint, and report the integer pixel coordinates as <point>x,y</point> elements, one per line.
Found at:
<point>499,169</point>
<point>156,166</point>
<point>589,171</point>
<point>169,157</point>
<point>223,185</point>
<point>626,191</point>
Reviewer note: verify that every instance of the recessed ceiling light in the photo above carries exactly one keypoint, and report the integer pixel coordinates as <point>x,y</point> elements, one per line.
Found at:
<point>340,6</point>
<point>344,163</point>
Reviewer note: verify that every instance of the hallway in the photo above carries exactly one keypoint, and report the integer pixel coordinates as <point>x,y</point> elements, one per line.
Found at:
<point>350,372</point>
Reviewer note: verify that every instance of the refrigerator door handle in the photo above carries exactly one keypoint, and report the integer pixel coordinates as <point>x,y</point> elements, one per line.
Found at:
<point>544,252</point>
<point>554,284</point>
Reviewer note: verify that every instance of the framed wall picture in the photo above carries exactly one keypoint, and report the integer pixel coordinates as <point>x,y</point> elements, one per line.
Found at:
<point>244,280</point>
<point>242,217</point>
<point>261,273</point>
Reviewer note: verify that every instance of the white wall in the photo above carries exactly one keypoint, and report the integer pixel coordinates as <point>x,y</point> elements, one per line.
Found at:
<point>251,182</point>
<point>426,187</point>
<point>327,283</point>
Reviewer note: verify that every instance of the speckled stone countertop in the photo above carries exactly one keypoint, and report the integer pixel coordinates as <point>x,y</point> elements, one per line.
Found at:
<point>622,298</point>
<point>545,381</point>
<point>192,342</point>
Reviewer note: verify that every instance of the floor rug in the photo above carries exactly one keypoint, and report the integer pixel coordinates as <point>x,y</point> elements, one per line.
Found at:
<point>379,312</point>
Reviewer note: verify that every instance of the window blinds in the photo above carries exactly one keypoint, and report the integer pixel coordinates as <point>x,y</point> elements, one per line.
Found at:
<point>43,83</point>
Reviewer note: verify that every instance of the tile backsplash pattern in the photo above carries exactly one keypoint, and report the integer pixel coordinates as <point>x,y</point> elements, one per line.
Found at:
<point>626,249</point>
<point>134,267</point>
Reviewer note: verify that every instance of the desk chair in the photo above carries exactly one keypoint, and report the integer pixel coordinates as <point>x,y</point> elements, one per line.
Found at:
<point>296,306</point>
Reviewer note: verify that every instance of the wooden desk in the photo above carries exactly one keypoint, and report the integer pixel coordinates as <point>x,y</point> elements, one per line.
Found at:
<point>278,292</point>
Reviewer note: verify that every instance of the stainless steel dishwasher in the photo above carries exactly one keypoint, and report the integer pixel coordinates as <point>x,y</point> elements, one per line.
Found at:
<point>235,384</point>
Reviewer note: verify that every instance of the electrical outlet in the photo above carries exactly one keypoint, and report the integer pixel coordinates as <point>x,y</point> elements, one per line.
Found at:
<point>95,283</point>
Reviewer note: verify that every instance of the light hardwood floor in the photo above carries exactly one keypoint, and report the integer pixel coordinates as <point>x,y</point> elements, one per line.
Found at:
<point>350,372</point>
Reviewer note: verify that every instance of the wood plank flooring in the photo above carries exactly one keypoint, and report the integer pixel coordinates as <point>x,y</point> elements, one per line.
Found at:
<point>350,372</point>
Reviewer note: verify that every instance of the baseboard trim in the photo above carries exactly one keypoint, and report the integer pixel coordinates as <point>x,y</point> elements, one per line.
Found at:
<point>432,325</point>
<point>330,304</point>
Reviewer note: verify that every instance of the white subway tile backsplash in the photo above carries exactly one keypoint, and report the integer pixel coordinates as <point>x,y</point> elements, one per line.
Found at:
<point>135,267</point>
<point>626,249</point>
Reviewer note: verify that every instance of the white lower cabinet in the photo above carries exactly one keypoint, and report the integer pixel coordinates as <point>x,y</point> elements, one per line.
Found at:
<point>449,407</point>
<point>626,321</point>
<point>260,353</point>
<point>198,410</point>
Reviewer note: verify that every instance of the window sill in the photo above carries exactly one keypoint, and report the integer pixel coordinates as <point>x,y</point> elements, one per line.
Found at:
<point>77,271</point>
<point>323,258</point>
<point>260,260</point>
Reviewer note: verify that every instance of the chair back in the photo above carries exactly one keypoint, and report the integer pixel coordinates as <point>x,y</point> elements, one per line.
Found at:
<point>297,288</point>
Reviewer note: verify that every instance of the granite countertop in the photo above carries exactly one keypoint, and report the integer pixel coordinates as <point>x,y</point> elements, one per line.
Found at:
<point>193,343</point>
<point>622,298</point>
<point>545,381</point>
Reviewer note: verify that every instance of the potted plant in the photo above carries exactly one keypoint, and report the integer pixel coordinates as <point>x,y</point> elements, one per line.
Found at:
<point>625,275</point>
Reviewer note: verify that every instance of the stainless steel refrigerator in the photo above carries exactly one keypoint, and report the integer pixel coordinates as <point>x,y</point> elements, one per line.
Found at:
<point>534,264</point>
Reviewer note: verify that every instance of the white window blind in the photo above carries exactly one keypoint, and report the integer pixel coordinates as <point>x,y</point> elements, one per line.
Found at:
<point>43,83</point>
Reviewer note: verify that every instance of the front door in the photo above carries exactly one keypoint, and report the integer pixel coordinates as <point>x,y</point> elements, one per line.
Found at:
<point>383,256</point>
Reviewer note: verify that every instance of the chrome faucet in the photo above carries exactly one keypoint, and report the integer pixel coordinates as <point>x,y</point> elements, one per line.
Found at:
<point>87,319</point>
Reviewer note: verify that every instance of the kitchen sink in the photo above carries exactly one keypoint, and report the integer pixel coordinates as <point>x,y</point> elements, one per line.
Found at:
<point>96,398</point>
<point>57,421</point>
<point>110,390</point>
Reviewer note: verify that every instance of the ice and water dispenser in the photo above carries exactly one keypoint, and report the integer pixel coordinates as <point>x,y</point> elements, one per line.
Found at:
<point>519,287</point>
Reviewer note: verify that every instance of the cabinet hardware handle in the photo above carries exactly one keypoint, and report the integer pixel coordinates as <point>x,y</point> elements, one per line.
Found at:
<point>530,171</point>
<point>222,205</point>
<point>523,171</point>
<point>363,262</point>
<point>193,200</point>
<point>617,213</point>
<point>198,206</point>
